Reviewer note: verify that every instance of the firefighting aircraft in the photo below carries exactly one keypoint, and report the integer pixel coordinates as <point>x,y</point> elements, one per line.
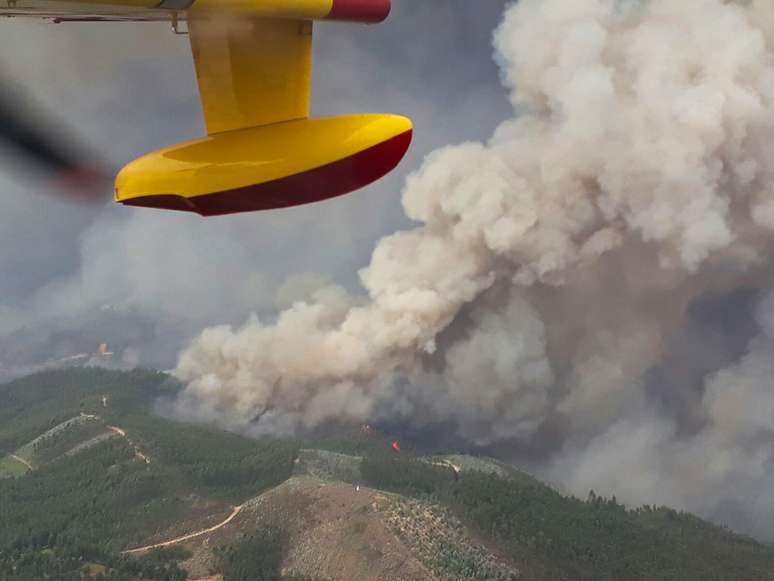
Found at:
<point>253,65</point>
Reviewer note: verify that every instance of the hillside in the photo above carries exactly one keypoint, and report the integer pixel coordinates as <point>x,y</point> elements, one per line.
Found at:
<point>93,485</point>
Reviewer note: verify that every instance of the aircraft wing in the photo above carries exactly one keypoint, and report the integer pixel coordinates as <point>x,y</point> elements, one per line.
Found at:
<point>89,11</point>
<point>262,150</point>
<point>253,63</point>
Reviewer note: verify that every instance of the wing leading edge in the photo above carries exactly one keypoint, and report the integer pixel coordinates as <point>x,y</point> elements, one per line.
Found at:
<point>252,72</point>
<point>368,11</point>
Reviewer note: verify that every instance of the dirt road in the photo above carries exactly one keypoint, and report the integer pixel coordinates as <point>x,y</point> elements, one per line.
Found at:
<point>137,452</point>
<point>184,538</point>
<point>117,430</point>
<point>23,461</point>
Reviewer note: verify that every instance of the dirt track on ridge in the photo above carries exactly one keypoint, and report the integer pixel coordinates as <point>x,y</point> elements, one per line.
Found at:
<point>236,510</point>
<point>22,460</point>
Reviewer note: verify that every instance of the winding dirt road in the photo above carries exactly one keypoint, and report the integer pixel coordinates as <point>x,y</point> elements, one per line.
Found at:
<point>22,460</point>
<point>137,452</point>
<point>184,538</point>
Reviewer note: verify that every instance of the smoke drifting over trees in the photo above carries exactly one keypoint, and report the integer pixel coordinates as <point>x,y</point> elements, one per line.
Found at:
<point>552,266</point>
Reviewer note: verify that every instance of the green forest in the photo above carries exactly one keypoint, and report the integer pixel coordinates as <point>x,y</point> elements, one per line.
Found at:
<point>257,557</point>
<point>71,515</point>
<point>65,514</point>
<point>575,540</point>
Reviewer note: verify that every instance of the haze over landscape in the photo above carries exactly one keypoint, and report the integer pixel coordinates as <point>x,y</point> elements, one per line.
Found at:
<point>580,286</point>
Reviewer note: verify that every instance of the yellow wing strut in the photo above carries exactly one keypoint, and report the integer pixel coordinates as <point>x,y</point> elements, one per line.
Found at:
<point>251,72</point>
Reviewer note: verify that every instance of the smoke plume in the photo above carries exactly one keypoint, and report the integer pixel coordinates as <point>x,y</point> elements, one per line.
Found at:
<point>551,269</point>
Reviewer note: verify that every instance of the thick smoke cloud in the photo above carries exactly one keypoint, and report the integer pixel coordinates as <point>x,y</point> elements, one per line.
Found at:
<point>723,469</point>
<point>552,267</point>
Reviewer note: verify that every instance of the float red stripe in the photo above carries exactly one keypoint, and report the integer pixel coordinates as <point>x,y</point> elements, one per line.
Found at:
<point>371,11</point>
<point>335,179</point>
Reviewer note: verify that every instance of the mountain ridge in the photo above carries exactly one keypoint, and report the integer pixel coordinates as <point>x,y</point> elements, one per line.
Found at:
<point>343,507</point>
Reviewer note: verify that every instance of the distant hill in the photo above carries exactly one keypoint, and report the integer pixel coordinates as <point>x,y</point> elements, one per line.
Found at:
<point>94,486</point>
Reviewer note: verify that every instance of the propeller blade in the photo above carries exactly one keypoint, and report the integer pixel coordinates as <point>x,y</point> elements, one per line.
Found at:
<point>72,175</point>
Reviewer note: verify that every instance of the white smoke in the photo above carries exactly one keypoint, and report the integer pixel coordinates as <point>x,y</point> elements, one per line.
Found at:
<point>552,265</point>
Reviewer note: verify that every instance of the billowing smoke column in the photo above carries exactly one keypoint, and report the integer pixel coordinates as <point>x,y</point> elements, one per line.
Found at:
<point>552,266</point>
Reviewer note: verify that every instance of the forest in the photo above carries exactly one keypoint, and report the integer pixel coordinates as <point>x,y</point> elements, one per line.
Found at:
<point>71,515</point>
<point>66,515</point>
<point>257,557</point>
<point>595,539</point>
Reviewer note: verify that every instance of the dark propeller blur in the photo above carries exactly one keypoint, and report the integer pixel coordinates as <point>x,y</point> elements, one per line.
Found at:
<point>31,134</point>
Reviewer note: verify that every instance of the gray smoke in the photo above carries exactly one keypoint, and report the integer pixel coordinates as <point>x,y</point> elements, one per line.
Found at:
<point>552,266</point>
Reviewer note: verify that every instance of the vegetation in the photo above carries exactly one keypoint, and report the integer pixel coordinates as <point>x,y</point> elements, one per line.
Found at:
<point>60,440</point>
<point>90,497</point>
<point>32,405</point>
<point>443,544</point>
<point>597,539</point>
<point>10,467</point>
<point>209,461</point>
<point>67,513</point>
<point>328,466</point>
<point>65,562</point>
<point>256,557</point>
